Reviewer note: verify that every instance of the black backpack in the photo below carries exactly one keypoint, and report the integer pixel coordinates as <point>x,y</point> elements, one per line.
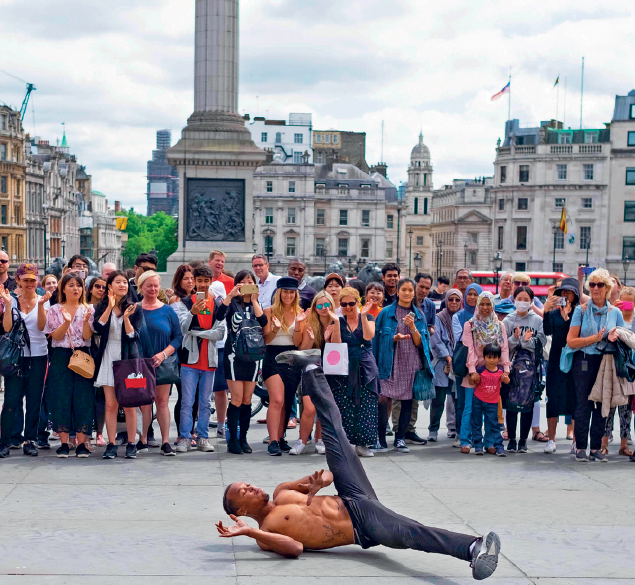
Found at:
<point>250,341</point>
<point>12,345</point>
<point>524,379</point>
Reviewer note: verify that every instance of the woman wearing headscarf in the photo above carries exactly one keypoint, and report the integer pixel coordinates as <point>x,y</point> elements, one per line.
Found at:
<point>442,346</point>
<point>458,321</point>
<point>482,329</point>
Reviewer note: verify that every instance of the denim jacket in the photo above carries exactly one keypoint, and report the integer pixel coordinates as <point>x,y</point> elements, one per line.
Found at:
<point>384,345</point>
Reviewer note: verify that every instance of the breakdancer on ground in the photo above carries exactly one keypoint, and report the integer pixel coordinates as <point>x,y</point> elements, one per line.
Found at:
<point>296,519</point>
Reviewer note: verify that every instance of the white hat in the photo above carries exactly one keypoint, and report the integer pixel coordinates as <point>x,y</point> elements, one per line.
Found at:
<point>218,289</point>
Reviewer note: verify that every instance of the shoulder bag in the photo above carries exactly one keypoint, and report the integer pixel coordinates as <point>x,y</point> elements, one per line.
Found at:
<point>459,360</point>
<point>11,346</point>
<point>81,363</point>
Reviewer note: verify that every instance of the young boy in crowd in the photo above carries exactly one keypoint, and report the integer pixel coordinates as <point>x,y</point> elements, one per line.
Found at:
<point>485,403</point>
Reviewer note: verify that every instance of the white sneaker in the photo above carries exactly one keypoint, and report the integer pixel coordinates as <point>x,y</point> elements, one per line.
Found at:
<point>363,451</point>
<point>204,445</point>
<point>298,448</point>
<point>220,431</point>
<point>457,444</point>
<point>551,447</point>
<point>433,436</point>
<point>320,448</point>
<point>183,445</point>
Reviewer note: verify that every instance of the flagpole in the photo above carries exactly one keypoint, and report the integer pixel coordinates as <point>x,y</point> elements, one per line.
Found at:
<point>557,100</point>
<point>509,96</point>
<point>581,92</point>
<point>564,107</point>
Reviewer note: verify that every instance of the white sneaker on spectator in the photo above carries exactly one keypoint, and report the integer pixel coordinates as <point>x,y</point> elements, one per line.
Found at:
<point>456,444</point>
<point>220,431</point>
<point>363,451</point>
<point>298,448</point>
<point>183,445</point>
<point>203,444</point>
<point>433,436</point>
<point>551,447</point>
<point>320,448</point>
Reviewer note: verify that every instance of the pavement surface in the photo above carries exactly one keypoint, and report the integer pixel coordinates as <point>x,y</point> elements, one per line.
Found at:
<point>151,520</point>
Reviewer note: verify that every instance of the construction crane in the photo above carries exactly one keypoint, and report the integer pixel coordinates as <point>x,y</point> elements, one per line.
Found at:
<point>29,88</point>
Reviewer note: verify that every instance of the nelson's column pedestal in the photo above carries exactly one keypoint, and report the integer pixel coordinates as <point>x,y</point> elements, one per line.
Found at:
<point>215,157</point>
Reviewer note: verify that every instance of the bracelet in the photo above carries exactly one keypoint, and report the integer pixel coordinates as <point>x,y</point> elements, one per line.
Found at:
<point>165,355</point>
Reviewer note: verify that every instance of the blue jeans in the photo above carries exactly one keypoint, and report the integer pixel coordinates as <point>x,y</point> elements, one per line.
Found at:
<point>465,396</point>
<point>192,378</point>
<point>484,411</point>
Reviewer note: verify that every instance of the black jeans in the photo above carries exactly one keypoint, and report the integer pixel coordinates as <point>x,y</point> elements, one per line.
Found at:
<point>437,407</point>
<point>29,385</point>
<point>511,420</point>
<point>587,413</point>
<point>373,523</point>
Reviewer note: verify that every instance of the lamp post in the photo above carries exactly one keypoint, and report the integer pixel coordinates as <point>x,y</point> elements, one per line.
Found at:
<point>439,257</point>
<point>465,254</point>
<point>64,248</point>
<point>418,262</point>
<point>498,266</point>
<point>588,245</point>
<point>410,232</point>
<point>268,235</point>
<point>625,263</point>
<point>555,232</point>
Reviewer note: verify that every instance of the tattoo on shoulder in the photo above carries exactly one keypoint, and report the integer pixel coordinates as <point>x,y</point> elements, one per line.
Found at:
<point>330,534</point>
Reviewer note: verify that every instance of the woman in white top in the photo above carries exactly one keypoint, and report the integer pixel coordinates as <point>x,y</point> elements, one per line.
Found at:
<point>283,332</point>
<point>28,379</point>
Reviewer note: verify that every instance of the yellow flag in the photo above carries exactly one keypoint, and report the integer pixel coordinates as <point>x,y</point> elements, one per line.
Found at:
<point>122,223</point>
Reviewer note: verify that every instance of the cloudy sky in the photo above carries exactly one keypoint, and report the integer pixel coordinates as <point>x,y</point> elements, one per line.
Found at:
<point>117,71</point>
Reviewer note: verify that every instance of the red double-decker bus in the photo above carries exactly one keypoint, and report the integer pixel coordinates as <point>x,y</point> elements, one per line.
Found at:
<point>540,281</point>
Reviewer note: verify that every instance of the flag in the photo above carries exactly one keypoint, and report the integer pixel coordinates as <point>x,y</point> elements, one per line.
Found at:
<point>563,221</point>
<point>122,223</point>
<point>503,91</point>
<point>557,81</point>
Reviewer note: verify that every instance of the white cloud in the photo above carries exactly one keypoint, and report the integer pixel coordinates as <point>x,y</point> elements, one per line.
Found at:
<point>116,72</point>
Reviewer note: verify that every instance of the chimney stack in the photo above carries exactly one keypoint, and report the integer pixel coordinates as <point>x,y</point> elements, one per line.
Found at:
<point>117,206</point>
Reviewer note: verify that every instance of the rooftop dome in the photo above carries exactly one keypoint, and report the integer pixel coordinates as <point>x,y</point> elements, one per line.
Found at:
<point>421,150</point>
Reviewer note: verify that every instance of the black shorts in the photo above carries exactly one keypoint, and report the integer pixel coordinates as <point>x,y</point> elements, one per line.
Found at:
<point>220,382</point>
<point>270,367</point>
<point>239,370</point>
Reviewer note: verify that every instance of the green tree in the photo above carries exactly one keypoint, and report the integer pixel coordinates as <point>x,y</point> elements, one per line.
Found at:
<point>147,233</point>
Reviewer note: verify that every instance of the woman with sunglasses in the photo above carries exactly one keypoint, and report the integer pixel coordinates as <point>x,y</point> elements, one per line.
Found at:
<point>587,340</point>
<point>96,291</point>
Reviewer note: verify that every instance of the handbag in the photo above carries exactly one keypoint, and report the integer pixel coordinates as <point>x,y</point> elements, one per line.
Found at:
<point>335,359</point>
<point>11,346</point>
<point>81,363</point>
<point>168,372</point>
<point>135,382</point>
<point>459,361</point>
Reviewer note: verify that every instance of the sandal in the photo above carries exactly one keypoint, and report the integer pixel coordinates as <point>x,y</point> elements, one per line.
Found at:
<point>569,437</point>
<point>625,451</point>
<point>504,436</point>
<point>540,437</point>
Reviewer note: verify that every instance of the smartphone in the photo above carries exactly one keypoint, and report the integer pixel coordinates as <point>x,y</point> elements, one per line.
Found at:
<point>82,274</point>
<point>249,289</point>
<point>562,302</point>
<point>627,306</point>
<point>200,296</point>
<point>411,314</point>
<point>586,270</point>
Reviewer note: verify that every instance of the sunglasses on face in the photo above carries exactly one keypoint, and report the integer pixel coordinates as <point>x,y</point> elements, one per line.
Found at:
<point>594,284</point>
<point>520,283</point>
<point>100,286</point>
<point>348,304</point>
<point>454,300</point>
<point>323,305</point>
<point>4,262</point>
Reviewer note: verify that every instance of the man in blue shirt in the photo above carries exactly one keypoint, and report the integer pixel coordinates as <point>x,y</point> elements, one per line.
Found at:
<point>424,284</point>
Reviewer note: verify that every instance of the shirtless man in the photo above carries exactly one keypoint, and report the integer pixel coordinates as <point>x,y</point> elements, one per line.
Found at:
<point>297,519</point>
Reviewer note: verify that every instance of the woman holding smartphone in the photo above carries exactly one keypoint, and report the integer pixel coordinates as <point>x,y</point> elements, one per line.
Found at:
<point>241,372</point>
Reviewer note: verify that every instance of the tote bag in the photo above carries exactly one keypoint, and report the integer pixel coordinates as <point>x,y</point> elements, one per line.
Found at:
<point>335,359</point>
<point>135,382</point>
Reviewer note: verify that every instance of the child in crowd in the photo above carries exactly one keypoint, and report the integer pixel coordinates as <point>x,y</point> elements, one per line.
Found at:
<point>485,403</point>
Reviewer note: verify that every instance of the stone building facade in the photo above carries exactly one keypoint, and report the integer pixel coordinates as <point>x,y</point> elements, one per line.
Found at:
<point>13,232</point>
<point>35,219</point>
<point>340,146</point>
<point>288,140</point>
<point>163,180</point>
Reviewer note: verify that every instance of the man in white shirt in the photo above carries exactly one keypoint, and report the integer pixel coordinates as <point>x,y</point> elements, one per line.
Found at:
<point>266,280</point>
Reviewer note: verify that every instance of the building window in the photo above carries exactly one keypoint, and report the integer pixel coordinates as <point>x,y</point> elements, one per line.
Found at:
<point>291,215</point>
<point>588,172</point>
<point>558,267</point>
<point>268,214</point>
<point>587,203</point>
<point>320,248</point>
<point>632,115</point>
<point>562,172</point>
<point>558,240</point>
<point>297,138</point>
<point>320,157</point>
<point>473,237</point>
<point>291,186</point>
<point>501,235</point>
<point>342,246</point>
<point>501,205</point>
<point>390,222</point>
<point>365,248</point>
<point>523,204</point>
<point>472,258</point>
<point>417,180</point>
<point>585,237</point>
<point>560,202</point>
<point>290,246</point>
<point>3,152</point>
<point>631,139</point>
<point>343,216</point>
<point>365,217</point>
<point>521,237</point>
<point>416,210</point>
<point>521,266</point>
<point>327,138</point>
<point>523,173</point>
<point>565,137</point>
<point>628,247</point>
<point>3,185</point>
<point>269,246</point>
<point>318,138</point>
<point>3,219</point>
<point>629,211</point>
<point>297,157</point>
<point>263,137</point>
<point>320,217</point>
<point>335,139</point>
<point>630,176</point>
<point>3,122</point>
<point>342,189</point>
<point>389,249</point>
<point>503,174</point>
<point>269,186</point>
<point>278,137</point>
<point>419,240</point>
<point>5,243</point>
<point>591,137</point>
<point>425,206</point>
